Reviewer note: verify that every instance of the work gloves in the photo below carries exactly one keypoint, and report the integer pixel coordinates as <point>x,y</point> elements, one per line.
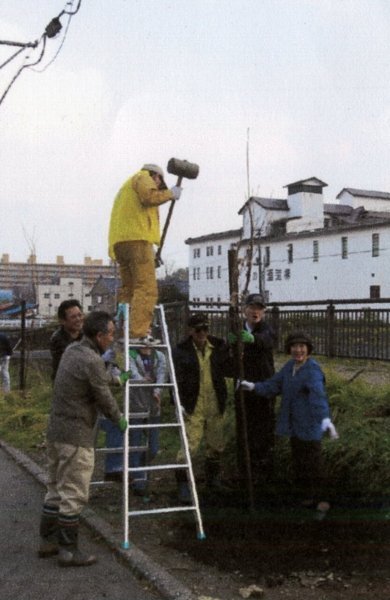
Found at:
<point>124,376</point>
<point>245,336</point>
<point>122,425</point>
<point>327,425</point>
<point>247,386</point>
<point>176,192</point>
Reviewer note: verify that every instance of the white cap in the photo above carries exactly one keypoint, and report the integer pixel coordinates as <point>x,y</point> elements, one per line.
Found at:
<point>155,168</point>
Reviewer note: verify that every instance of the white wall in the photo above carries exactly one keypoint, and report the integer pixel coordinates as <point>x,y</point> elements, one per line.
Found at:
<point>330,277</point>
<point>203,286</point>
<point>50,296</point>
<point>375,204</point>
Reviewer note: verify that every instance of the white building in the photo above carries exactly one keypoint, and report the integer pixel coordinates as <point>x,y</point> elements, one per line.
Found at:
<point>302,248</point>
<point>208,271</point>
<point>50,295</point>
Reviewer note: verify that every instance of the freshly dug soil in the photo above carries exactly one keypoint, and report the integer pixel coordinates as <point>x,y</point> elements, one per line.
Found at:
<point>288,552</point>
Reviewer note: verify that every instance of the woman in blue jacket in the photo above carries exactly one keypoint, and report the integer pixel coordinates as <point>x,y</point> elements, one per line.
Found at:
<point>304,414</point>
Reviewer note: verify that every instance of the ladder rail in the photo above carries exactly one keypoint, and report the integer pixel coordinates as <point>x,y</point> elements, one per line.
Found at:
<point>125,476</point>
<point>183,434</point>
<point>178,424</point>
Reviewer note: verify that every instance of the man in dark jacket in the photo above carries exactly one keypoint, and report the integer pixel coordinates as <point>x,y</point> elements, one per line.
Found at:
<point>81,392</point>
<point>258,340</point>
<point>201,364</point>
<point>70,317</point>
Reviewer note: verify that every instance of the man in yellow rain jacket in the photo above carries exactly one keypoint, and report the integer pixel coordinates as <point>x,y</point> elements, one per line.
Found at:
<point>134,228</point>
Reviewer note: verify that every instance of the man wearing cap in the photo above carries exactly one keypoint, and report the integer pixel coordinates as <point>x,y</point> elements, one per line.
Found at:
<point>134,229</point>
<point>202,362</point>
<point>258,340</point>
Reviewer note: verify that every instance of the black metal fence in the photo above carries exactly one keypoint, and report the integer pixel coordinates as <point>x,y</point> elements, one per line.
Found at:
<point>336,330</point>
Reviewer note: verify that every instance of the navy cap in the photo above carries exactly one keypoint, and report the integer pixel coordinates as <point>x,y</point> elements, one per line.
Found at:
<point>255,299</point>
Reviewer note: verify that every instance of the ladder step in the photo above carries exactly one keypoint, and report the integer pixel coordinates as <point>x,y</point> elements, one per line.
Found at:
<point>156,511</point>
<point>153,425</point>
<point>120,450</point>
<point>162,345</point>
<point>158,468</point>
<point>144,384</point>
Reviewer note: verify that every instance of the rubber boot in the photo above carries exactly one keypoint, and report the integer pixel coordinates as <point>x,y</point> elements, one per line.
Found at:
<point>48,531</point>
<point>69,553</point>
<point>183,489</point>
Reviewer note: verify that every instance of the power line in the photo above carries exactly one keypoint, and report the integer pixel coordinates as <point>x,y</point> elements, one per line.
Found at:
<point>51,31</point>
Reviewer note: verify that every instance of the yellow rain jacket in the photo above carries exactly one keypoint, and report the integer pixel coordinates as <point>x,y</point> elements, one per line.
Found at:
<point>134,215</point>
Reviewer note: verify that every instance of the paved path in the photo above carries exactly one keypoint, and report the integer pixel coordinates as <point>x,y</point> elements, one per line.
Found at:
<point>24,576</point>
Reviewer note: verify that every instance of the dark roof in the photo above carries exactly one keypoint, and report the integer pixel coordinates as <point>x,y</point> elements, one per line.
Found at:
<point>307,181</point>
<point>337,209</point>
<point>267,203</point>
<point>365,193</point>
<point>215,236</point>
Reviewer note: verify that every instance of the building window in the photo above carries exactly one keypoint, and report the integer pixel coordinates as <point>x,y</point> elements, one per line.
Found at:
<point>375,292</point>
<point>57,296</point>
<point>219,272</point>
<point>196,253</point>
<point>254,275</point>
<point>209,273</point>
<point>270,275</point>
<point>375,244</point>
<point>344,247</point>
<point>209,250</point>
<point>290,255</point>
<point>278,274</point>
<point>219,250</point>
<point>287,273</point>
<point>267,256</point>
<point>315,251</point>
<point>46,295</point>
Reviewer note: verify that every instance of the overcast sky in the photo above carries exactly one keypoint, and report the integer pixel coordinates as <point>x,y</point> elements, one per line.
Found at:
<point>146,80</point>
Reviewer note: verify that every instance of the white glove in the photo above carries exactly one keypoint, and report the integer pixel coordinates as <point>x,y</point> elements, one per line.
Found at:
<point>328,425</point>
<point>247,386</point>
<point>176,191</point>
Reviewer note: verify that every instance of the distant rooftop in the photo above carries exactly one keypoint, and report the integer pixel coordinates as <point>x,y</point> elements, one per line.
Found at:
<point>267,203</point>
<point>365,193</point>
<point>214,236</point>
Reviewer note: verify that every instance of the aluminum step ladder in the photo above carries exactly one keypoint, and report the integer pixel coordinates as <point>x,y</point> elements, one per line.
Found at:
<point>178,424</point>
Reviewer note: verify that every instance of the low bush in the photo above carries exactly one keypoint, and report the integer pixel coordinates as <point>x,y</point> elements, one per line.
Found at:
<point>356,465</point>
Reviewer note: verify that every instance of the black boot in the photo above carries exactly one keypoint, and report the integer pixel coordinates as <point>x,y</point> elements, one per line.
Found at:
<point>48,531</point>
<point>69,554</point>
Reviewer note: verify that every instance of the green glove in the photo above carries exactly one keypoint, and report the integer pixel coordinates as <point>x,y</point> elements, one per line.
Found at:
<point>247,337</point>
<point>232,338</point>
<point>122,425</point>
<point>124,376</point>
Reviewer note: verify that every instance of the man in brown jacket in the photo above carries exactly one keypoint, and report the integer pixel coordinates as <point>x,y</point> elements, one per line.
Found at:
<point>81,391</point>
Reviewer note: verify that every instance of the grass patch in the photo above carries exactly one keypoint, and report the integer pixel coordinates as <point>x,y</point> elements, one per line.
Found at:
<point>357,465</point>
